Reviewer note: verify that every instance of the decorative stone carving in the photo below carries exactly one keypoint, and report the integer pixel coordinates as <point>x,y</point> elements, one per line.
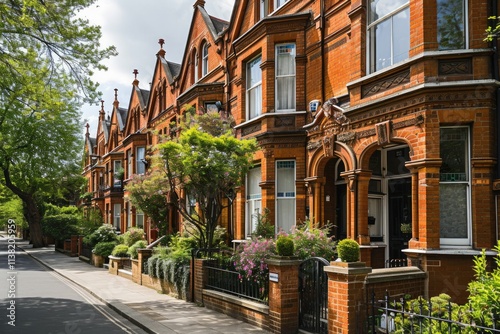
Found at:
<point>383,131</point>
<point>455,66</point>
<point>386,83</point>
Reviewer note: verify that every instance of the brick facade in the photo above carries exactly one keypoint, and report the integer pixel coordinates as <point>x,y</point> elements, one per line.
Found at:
<point>369,158</point>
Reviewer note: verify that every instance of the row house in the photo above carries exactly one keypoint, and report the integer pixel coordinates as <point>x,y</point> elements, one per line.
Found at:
<point>376,117</point>
<point>124,144</point>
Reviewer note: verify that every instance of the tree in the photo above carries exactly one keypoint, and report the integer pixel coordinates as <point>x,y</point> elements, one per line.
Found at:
<point>148,193</point>
<point>207,163</point>
<point>47,57</point>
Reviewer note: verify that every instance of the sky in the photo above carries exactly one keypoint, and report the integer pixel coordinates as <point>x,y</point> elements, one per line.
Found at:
<point>134,28</point>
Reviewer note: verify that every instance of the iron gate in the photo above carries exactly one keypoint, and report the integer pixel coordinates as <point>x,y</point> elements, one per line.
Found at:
<point>313,304</point>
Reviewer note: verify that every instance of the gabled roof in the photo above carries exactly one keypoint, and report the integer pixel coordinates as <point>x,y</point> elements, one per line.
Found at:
<point>171,69</point>
<point>121,116</point>
<point>215,25</point>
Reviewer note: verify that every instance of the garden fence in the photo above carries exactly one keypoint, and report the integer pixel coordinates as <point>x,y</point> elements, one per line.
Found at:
<point>402,315</point>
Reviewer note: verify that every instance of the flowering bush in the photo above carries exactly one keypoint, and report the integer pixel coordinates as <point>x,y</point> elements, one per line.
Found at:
<point>249,259</point>
<point>105,232</point>
<point>312,242</point>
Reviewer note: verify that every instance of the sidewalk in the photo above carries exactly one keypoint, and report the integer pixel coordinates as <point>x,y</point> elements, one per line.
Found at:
<point>146,308</point>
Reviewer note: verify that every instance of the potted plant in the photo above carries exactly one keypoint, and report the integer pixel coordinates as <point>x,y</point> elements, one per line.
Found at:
<point>285,246</point>
<point>348,250</point>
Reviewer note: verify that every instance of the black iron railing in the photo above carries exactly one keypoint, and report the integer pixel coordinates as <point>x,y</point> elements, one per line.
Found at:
<point>86,251</point>
<point>404,315</point>
<point>222,276</point>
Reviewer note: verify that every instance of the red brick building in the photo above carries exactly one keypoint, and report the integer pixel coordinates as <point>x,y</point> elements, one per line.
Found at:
<point>376,116</point>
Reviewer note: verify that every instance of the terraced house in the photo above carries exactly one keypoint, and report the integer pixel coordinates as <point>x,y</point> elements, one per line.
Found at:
<point>378,117</point>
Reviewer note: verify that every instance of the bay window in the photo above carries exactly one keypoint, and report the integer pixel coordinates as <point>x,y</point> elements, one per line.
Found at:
<point>254,88</point>
<point>285,77</point>
<point>388,33</point>
<point>285,195</point>
<point>253,207</point>
<point>454,186</point>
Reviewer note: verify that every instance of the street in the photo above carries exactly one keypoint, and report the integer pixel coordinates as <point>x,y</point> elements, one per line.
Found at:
<point>34,299</point>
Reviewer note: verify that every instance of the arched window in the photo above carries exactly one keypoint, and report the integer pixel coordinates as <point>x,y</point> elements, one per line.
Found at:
<point>204,59</point>
<point>195,65</point>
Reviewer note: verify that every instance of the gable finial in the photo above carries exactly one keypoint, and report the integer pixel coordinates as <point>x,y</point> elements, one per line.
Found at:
<point>161,53</point>
<point>115,102</point>
<point>200,3</point>
<point>135,82</point>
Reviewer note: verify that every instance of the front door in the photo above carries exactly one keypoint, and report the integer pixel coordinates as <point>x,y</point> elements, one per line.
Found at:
<point>399,216</point>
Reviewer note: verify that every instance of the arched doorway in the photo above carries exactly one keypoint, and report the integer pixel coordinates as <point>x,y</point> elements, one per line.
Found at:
<point>389,201</point>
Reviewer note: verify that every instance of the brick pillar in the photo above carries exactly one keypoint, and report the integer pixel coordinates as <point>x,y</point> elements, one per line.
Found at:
<point>74,245</point>
<point>346,297</point>
<point>199,280</point>
<point>284,294</point>
<point>80,244</point>
<point>142,255</point>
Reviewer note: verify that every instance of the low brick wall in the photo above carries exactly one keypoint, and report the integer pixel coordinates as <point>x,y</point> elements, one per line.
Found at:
<point>254,313</point>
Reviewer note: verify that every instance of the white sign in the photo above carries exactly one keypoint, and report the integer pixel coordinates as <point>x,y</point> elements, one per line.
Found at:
<point>273,277</point>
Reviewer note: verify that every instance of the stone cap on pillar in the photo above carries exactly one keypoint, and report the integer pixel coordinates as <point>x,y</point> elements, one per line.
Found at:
<point>348,268</point>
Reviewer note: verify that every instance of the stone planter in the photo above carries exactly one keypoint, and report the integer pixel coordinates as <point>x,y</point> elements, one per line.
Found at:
<point>116,263</point>
<point>97,260</point>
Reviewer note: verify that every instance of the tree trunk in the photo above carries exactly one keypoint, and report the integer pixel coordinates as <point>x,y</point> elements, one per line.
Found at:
<point>31,212</point>
<point>34,222</point>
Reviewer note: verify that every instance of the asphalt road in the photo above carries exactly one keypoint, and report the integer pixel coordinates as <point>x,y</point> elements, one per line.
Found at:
<point>38,300</point>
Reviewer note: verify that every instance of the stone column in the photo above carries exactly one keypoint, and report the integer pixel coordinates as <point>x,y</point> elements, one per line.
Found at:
<point>283,294</point>
<point>346,296</point>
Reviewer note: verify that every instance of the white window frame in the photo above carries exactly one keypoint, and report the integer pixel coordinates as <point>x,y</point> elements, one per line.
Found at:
<point>281,197</point>
<point>264,9</point>
<point>464,242</point>
<point>117,212</point>
<point>130,171</point>
<point>370,56</point>
<point>253,112</point>
<point>129,215</point>
<point>195,60</point>
<point>465,26</point>
<point>140,156</point>
<point>253,204</point>
<point>117,164</point>
<point>279,3</point>
<point>139,218</point>
<point>293,92</point>
<point>204,59</point>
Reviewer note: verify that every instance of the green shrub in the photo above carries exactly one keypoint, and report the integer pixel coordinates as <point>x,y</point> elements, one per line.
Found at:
<point>120,251</point>
<point>104,248</point>
<point>132,235</point>
<point>284,246</point>
<point>133,250</point>
<point>105,232</point>
<point>348,250</point>
<point>484,291</point>
<point>61,226</point>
